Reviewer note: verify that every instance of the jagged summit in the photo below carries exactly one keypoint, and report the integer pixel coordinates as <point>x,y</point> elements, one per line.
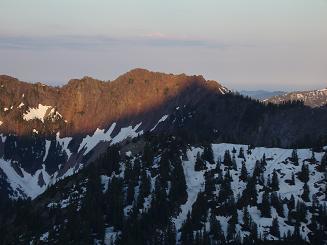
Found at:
<point>87,103</point>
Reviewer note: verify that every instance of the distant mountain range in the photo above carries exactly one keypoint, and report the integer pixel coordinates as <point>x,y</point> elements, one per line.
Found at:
<point>261,94</point>
<point>313,98</point>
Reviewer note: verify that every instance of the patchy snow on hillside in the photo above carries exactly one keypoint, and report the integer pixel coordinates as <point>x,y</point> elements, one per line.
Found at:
<point>277,160</point>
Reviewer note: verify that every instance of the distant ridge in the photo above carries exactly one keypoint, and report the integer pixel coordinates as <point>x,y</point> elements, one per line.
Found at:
<point>313,98</point>
<point>261,94</point>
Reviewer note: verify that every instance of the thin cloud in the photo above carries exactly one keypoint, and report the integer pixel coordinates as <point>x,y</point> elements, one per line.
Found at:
<point>100,42</point>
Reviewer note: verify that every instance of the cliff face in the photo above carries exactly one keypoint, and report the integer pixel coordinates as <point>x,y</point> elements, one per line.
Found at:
<point>86,104</point>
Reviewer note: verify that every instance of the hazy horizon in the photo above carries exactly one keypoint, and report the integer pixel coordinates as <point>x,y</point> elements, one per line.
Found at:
<point>270,45</point>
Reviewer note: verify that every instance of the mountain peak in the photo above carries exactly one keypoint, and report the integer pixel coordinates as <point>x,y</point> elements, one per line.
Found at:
<point>87,104</point>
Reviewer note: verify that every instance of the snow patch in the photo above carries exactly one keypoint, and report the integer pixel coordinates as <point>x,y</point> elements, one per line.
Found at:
<point>41,112</point>
<point>128,132</point>
<point>36,113</point>
<point>64,142</point>
<point>89,142</point>
<point>47,147</point>
<point>27,184</point>
<point>195,184</point>
<point>164,117</point>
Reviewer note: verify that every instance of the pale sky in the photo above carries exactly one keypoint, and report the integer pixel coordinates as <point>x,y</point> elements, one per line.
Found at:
<point>245,44</point>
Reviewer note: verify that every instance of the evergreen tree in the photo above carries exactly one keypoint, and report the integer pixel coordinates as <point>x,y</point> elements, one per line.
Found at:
<point>275,182</point>
<point>244,172</point>
<point>207,154</point>
<point>227,159</point>
<point>110,160</point>
<point>304,174</point>
<point>128,173</point>
<point>249,150</point>
<point>249,195</point>
<point>292,182</point>
<point>145,185</point>
<point>241,153</point>
<point>170,237</point>
<point>265,206</point>
<point>246,219</point>
<point>160,202</point>
<point>297,234</point>
<point>199,211</point>
<point>205,239</point>
<point>213,225</point>
<point>114,203</point>
<point>215,228</point>
<point>187,231</point>
<point>274,229</point>
<point>258,169</point>
<point>164,168</point>
<point>199,164</point>
<point>295,158</point>
<point>264,160</point>
<point>276,203</point>
<point>234,165</point>
<point>305,195</point>
<point>178,193</point>
<point>301,212</point>
<point>148,154</point>
<point>254,231</point>
<point>130,193</point>
<point>231,228</point>
<point>225,190</point>
<point>322,166</point>
<point>291,203</point>
<point>313,158</point>
<point>91,210</point>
